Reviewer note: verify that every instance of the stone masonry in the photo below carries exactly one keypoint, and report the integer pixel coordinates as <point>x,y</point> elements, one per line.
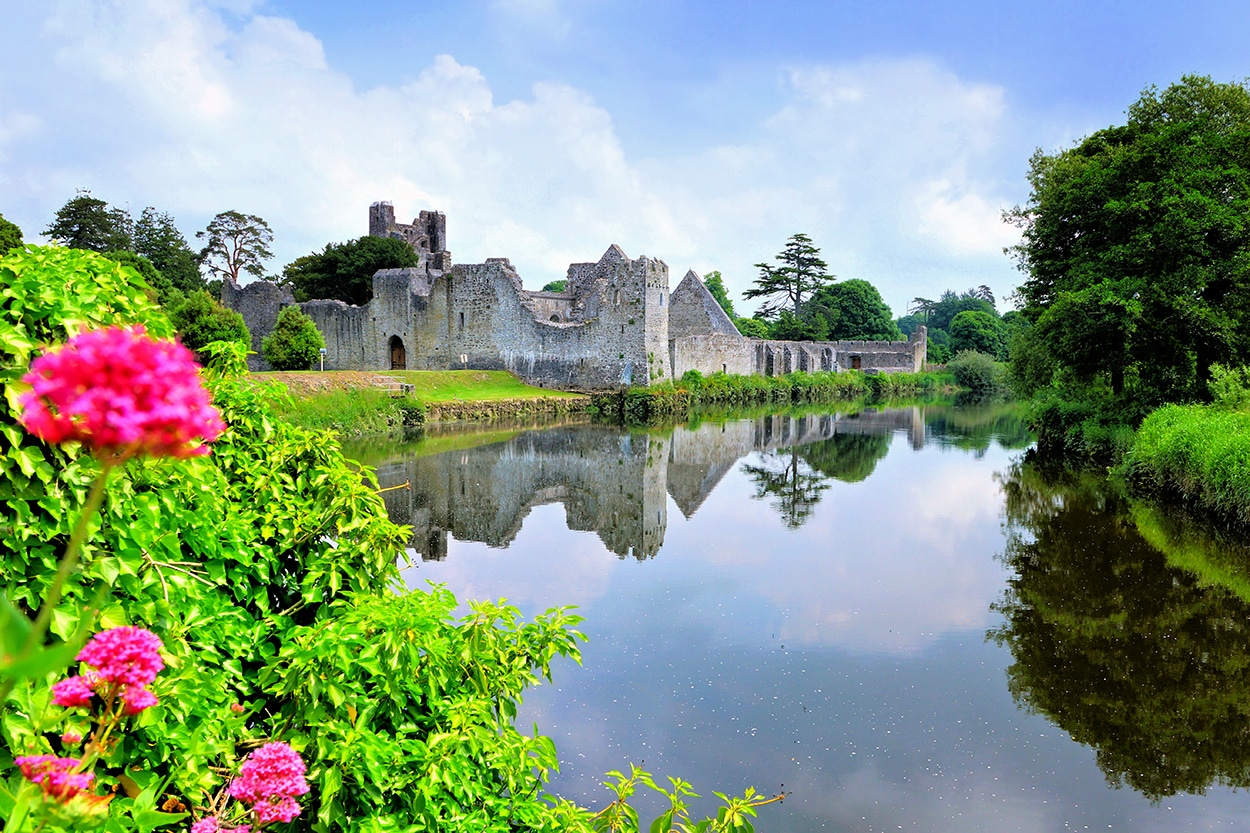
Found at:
<point>616,323</point>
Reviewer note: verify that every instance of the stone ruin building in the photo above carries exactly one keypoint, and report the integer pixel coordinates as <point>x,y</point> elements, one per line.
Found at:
<point>616,324</point>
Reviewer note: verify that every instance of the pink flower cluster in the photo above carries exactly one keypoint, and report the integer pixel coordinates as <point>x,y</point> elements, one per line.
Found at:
<point>213,825</point>
<point>55,775</point>
<point>121,392</point>
<point>126,660</point>
<point>270,780</point>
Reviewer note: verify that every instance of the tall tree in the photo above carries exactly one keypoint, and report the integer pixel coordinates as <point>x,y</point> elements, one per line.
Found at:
<point>786,286</point>
<point>85,222</point>
<point>235,243</point>
<point>716,286</point>
<point>10,235</point>
<point>1136,245</point>
<point>201,319</point>
<point>855,310</point>
<point>344,271</point>
<point>159,240</point>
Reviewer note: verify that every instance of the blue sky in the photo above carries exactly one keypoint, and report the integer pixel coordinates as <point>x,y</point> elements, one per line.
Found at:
<point>700,133</point>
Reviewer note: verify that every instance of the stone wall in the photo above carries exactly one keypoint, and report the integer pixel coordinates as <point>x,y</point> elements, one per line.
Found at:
<point>259,303</point>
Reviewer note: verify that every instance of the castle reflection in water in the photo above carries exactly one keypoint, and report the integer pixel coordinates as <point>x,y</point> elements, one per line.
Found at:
<point>611,481</point>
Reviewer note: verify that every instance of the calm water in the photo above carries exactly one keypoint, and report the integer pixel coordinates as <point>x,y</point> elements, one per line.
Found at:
<point>888,615</point>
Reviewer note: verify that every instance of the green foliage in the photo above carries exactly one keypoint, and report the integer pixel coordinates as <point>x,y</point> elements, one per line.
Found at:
<point>151,276</point>
<point>1230,387</point>
<point>344,271</point>
<point>10,235</point>
<point>716,286</point>
<point>908,324</point>
<point>753,328</point>
<point>85,222</point>
<point>556,286</point>
<point>1136,246</point>
<point>938,346</point>
<point>1196,453</point>
<point>978,373</point>
<point>201,319</point>
<point>235,243</point>
<point>295,343</point>
<point>270,572</point>
<point>159,240</point>
<point>352,412</point>
<point>801,272</point>
<point>855,310</point>
<point>979,331</point>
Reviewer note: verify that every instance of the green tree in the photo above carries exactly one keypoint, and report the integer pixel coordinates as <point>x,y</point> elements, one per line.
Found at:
<point>344,271</point>
<point>855,311</point>
<point>908,324</point>
<point>10,235</point>
<point>159,240</point>
<point>979,331</point>
<point>295,342</point>
<point>235,243</point>
<point>716,285</point>
<point>795,487</point>
<point>944,310</point>
<point>150,274</point>
<point>201,319</point>
<point>85,222</point>
<point>753,328</point>
<point>801,272</point>
<point>557,285</point>
<point>1136,245</point>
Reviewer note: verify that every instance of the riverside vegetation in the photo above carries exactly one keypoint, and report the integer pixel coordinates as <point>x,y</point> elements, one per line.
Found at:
<point>1135,251</point>
<point>269,572</point>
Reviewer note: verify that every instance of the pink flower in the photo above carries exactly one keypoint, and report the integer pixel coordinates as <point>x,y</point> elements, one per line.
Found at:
<point>206,825</point>
<point>270,779</point>
<point>276,809</point>
<point>120,392</point>
<point>73,692</point>
<point>126,655</point>
<point>71,737</point>
<point>55,775</point>
<point>137,698</point>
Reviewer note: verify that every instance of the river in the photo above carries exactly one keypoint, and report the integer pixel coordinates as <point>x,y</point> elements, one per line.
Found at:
<point>888,615</point>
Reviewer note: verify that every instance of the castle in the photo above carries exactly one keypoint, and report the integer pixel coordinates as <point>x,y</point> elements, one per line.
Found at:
<point>615,324</point>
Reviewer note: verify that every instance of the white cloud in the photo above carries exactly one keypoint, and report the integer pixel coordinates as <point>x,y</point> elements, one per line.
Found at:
<point>179,105</point>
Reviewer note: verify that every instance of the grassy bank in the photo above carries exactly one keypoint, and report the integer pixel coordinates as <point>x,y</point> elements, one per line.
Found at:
<point>355,403</point>
<point>1197,454</point>
<point>695,393</point>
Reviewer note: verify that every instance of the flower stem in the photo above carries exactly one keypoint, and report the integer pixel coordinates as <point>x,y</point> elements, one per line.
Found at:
<point>70,560</point>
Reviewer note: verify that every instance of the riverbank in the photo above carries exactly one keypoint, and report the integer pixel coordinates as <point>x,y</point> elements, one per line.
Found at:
<point>362,403</point>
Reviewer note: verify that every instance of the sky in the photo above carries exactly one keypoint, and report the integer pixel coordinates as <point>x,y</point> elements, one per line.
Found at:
<point>704,134</point>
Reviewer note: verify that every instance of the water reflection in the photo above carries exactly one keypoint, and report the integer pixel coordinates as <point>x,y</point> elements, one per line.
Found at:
<point>1140,659</point>
<point>614,482</point>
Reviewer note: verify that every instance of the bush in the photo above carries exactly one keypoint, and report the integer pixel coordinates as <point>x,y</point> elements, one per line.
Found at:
<point>977,373</point>
<point>201,319</point>
<point>295,342</point>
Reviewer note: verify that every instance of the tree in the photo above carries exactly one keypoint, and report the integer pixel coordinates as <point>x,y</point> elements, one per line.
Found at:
<point>10,235</point>
<point>556,286</point>
<point>150,274</point>
<point>159,240</point>
<point>201,320</point>
<point>786,286</point>
<point>979,331</point>
<point>295,342</point>
<point>235,243</point>
<point>85,222</point>
<point>716,286</point>
<point>944,310</point>
<point>796,488</point>
<point>1136,245</point>
<point>753,328</point>
<point>344,271</point>
<point>856,311</point>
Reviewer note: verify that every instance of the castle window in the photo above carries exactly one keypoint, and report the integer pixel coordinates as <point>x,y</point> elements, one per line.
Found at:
<point>661,299</point>
<point>616,297</point>
<point>555,318</point>
<point>462,320</point>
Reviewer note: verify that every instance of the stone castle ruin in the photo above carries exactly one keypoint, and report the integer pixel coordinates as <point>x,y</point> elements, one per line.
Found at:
<point>616,323</point>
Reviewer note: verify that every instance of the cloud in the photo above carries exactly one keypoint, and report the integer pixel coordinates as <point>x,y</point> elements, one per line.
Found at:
<point>201,107</point>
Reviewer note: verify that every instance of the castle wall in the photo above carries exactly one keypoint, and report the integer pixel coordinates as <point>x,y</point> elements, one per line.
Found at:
<point>713,353</point>
<point>259,302</point>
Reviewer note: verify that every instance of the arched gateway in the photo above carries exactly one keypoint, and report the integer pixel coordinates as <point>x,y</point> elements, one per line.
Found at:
<point>399,359</point>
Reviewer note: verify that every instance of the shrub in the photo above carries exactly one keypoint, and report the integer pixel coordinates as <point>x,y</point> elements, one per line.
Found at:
<point>295,342</point>
<point>977,372</point>
<point>201,319</point>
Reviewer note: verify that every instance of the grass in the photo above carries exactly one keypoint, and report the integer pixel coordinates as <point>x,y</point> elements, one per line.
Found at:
<point>351,402</point>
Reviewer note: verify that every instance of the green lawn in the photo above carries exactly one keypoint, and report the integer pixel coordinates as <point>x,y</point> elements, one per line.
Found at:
<point>434,386</point>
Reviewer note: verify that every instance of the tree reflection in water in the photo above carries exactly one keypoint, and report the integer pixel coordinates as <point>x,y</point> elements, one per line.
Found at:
<point>1139,660</point>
